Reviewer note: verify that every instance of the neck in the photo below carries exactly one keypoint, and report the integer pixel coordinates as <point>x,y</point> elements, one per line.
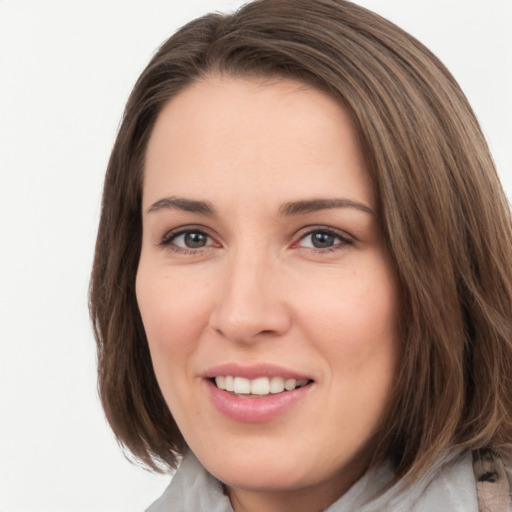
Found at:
<point>314,498</point>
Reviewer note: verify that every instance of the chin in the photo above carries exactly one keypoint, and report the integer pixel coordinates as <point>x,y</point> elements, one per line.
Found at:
<point>259,473</point>
<point>276,473</point>
<point>268,481</point>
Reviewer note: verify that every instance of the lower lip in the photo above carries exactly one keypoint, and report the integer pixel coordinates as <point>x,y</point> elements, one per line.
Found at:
<point>258,409</point>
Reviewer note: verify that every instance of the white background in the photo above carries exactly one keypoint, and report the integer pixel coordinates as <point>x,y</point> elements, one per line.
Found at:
<point>66,69</point>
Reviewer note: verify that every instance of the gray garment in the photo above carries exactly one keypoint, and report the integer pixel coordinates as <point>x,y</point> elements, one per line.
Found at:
<point>192,489</point>
<point>452,489</point>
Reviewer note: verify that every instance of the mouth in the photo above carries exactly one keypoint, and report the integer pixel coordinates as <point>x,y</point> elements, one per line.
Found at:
<point>257,393</point>
<point>258,387</point>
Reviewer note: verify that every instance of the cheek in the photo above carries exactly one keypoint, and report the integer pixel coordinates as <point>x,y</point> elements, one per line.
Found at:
<point>359,306</point>
<point>354,323</point>
<point>174,313</point>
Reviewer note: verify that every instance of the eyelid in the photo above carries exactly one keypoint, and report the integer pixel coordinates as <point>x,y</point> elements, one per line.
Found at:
<point>171,235</point>
<point>167,239</point>
<point>343,236</point>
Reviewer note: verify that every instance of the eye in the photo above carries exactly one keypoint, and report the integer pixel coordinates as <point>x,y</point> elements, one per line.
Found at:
<point>323,239</point>
<point>187,240</point>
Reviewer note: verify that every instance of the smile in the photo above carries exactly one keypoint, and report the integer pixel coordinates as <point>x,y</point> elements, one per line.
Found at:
<point>257,399</point>
<point>260,386</point>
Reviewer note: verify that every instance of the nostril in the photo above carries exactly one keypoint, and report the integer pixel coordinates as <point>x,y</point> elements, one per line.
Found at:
<point>266,332</point>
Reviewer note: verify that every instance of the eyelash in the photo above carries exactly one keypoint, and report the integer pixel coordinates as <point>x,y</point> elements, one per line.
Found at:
<point>170,238</point>
<point>343,239</point>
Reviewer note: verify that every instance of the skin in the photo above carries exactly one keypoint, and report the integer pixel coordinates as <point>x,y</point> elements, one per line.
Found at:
<point>260,291</point>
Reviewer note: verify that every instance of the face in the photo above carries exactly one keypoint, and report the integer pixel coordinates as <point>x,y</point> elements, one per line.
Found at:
<point>267,296</point>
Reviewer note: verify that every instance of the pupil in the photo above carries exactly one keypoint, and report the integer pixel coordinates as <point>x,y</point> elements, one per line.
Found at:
<point>195,240</point>
<point>322,240</point>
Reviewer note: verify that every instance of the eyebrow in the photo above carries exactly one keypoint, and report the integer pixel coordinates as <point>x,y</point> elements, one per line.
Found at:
<point>315,205</point>
<point>287,209</point>
<point>180,203</point>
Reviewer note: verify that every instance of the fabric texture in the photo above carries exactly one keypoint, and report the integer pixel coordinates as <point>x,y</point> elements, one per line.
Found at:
<point>451,487</point>
<point>493,483</point>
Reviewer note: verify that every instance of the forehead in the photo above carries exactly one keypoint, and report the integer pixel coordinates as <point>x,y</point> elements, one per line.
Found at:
<point>254,134</point>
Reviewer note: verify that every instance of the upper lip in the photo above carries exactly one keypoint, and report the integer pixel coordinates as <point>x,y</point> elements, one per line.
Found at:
<point>253,371</point>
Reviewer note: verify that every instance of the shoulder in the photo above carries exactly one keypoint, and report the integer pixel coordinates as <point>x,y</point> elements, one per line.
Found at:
<point>449,485</point>
<point>472,482</point>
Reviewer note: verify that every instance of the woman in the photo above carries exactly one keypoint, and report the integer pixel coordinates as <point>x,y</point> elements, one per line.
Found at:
<point>303,283</point>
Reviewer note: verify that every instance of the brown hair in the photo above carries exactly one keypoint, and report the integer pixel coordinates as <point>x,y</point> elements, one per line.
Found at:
<point>441,208</point>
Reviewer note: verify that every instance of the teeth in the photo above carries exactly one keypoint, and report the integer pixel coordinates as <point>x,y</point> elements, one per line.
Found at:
<point>241,386</point>
<point>259,386</point>
<point>276,385</point>
<point>290,384</point>
<point>229,383</point>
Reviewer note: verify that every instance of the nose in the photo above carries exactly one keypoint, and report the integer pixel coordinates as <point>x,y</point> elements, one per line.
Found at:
<point>251,301</point>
